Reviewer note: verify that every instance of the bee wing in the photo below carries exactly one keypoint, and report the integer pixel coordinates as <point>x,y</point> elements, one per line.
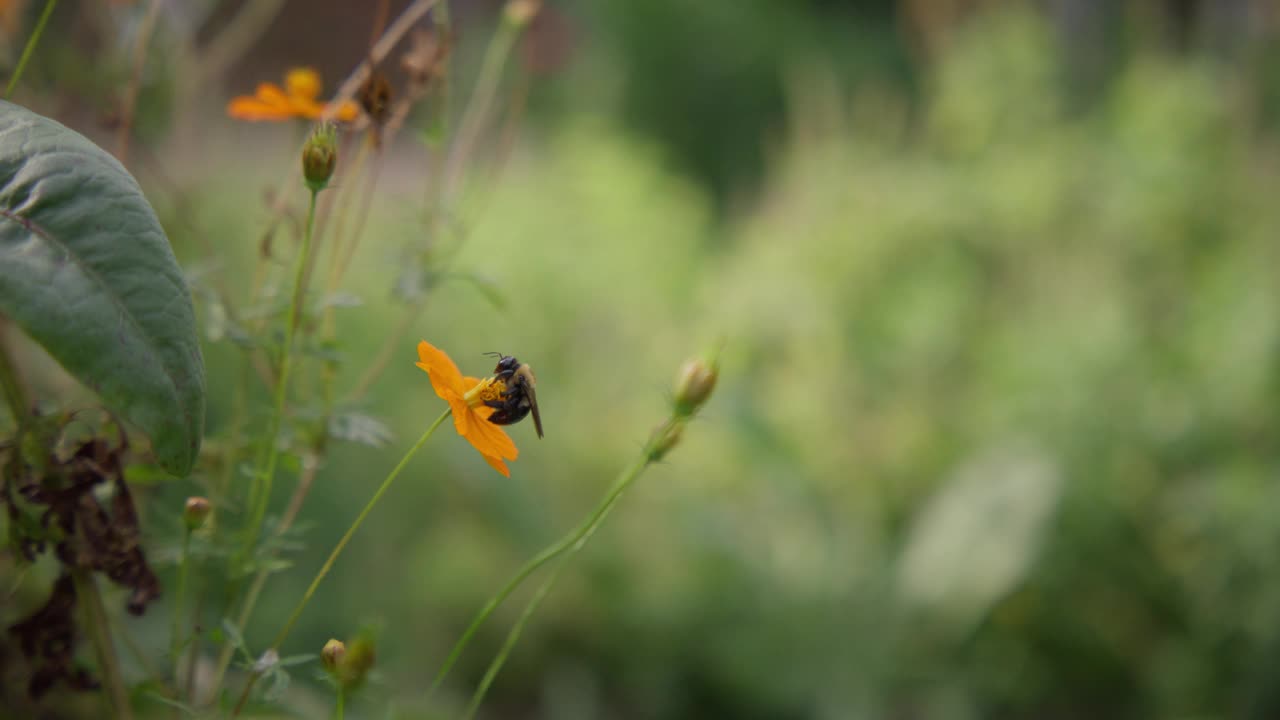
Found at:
<point>533,407</point>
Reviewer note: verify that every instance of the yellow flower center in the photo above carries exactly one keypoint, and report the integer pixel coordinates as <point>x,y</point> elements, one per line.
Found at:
<point>303,83</point>
<point>488,389</point>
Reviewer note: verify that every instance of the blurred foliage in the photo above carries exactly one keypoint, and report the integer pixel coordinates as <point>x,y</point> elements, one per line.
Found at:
<point>992,438</point>
<point>709,80</point>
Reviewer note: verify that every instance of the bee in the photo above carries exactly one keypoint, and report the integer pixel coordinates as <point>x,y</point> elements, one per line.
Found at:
<point>519,398</point>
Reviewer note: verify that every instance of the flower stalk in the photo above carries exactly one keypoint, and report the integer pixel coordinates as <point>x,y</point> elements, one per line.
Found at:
<point>262,495</point>
<point>179,598</point>
<point>30,46</point>
<point>337,550</point>
<point>95,621</point>
<point>694,386</point>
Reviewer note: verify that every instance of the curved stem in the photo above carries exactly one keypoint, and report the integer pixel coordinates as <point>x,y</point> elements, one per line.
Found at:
<point>571,542</point>
<point>263,494</point>
<point>569,546</point>
<point>175,641</point>
<point>337,550</point>
<point>130,103</point>
<point>492,671</point>
<point>31,46</point>
<point>100,634</point>
<point>14,394</point>
<point>477,111</point>
<point>351,531</point>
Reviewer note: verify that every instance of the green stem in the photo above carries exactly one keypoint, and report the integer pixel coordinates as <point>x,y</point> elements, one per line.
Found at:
<point>193,647</point>
<point>13,391</point>
<point>337,550</point>
<point>263,495</point>
<point>492,671</point>
<point>351,531</point>
<point>100,634</point>
<point>478,105</point>
<point>569,546</point>
<point>31,46</point>
<point>175,641</point>
<point>570,542</point>
<point>339,704</point>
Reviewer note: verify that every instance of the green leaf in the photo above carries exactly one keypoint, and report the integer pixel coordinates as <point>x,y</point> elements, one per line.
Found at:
<point>87,271</point>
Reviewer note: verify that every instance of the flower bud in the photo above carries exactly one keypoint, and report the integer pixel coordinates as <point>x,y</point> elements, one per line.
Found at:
<point>694,385</point>
<point>349,665</point>
<point>332,655</point>
<point>196,512</point>
<point>320,156</point>
<point>520,12</point>
<point>665,437</point>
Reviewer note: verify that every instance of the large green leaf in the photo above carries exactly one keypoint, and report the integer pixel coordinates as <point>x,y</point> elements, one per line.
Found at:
<point>87,271</point>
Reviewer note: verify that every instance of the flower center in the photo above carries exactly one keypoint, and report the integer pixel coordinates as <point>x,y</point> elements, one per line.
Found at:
<point>489,389</point>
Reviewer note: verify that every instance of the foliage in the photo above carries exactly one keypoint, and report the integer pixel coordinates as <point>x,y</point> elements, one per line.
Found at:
<point>88,273</point>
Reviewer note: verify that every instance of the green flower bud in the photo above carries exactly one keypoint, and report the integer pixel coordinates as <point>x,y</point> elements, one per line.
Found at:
<point>332,656</point>
<point>665,437</point>
<point>320,156</point>
<point>694,385</point>
<point>196,512</point>
<point>520,12</point>
<point>357,662</point>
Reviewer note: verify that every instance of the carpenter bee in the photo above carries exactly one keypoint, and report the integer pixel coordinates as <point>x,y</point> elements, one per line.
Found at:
<point>519,398</point>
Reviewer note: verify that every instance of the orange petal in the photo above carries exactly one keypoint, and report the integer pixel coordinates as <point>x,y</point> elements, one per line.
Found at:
<point>346,112</point>
<point>272,94</point>
<point>444,375</point>
<point>497,464</point>
<point>253,109</point>
<point>461,414</point>
<point>305,107</point>
<point>302,82</point>
<point>490,439</point>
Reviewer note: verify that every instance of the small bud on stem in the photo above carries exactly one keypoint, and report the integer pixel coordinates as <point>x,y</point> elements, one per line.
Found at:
<point>320,156</point>
<point>694,385</point>
<point>196,512</point>
<point>332,655</point>
<point>520,12</point>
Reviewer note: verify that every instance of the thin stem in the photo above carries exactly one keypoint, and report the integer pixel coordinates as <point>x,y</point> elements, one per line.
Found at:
<point>572,541</point>
<point>135,80</point>
<point>260,488</point>
<point>100,634</point>
<point>175,641</point>
<point>237,37</point>
<point>282,384</point>
<point>140,657</point>
<point>492,671</point>
<point>14,394</point>
<point>386,352</point>
<point>477,111</point>
<point>401,25</point>
<point>339,703</point>
<point>31,46</point>
<point>569,547</point>
<point>351,531</point>
<point>193,647</point>
<point>362,218</point>
<point>310,466</point>
<point>337,550</point>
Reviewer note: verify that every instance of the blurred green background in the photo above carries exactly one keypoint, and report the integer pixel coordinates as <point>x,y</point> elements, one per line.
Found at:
<point>995,435</point>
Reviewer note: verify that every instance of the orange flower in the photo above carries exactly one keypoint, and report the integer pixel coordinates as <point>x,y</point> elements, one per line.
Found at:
<point>466,396</point>
<point>296,100</point>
